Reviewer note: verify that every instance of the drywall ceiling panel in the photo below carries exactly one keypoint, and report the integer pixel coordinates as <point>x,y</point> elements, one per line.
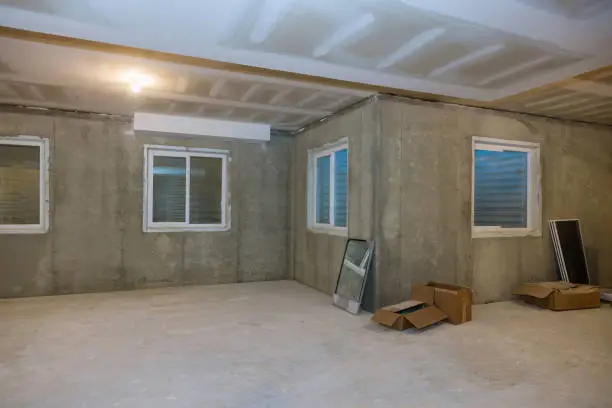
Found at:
<point>437,47</point>
<point>573,9</point>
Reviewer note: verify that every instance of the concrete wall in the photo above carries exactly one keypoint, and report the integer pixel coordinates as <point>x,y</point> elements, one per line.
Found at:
<point>96,241</point>
<point>316,257</point>
<point>424,200</point>
<point>410,190</point>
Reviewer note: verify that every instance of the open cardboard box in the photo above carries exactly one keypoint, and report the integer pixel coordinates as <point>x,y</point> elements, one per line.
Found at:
<point>430,304</point>
<point>559,295</point>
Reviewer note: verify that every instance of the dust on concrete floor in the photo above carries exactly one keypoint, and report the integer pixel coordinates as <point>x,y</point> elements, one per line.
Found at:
<point>280,344</point>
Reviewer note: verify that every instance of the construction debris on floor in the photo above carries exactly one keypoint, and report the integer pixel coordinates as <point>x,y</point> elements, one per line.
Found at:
<point>606,294</point>
<point>353,274</point>
<point>566,236</point>
<point>430,304</point>
<point>559,295</point>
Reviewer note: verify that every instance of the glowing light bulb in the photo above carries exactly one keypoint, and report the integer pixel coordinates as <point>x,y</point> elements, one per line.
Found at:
<point>136,80</point>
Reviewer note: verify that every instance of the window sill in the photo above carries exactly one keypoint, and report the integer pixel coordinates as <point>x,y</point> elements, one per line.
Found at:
<point>505,233</point>
<point>19,230</point>
<point>337,231</point>
<point>155,229</point>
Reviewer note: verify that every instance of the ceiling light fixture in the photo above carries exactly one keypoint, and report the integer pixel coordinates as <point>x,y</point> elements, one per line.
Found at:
<point>137,80</point>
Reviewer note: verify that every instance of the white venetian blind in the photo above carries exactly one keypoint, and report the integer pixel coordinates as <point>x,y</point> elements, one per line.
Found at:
<point>19,185</point>
<point>500,188</point>
<point>341,188</point>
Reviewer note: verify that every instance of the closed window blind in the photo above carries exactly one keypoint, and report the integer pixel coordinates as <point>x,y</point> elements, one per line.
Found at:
<point>331,187</point>
<point>500,188</point>
<point>19,185</point>
<point>169,189</point>
<point>205,197</point>
<point>323,189</point>
<point>341,188</point>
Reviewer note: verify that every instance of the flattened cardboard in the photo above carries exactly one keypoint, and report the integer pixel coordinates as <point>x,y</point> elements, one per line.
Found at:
<point>425,317</point>
<point>455,301</point>
<point>411,313</point>
<point>559,295</point>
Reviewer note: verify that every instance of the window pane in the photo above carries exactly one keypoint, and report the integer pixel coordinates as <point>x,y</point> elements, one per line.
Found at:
<point>341,188</point>
<point>206,190</point>
<point>19,185</point>
<point>500,189</point>
<point>169,189</point>
<point>323,186</point>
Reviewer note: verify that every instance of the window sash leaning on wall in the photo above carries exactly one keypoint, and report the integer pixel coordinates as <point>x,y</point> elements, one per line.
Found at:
<point>43,184</point>
<point>534,199</point>
<point>150,151</point>
<point>312,190</point>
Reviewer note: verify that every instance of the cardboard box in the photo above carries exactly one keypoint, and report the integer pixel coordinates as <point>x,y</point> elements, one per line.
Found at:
<point>606,294</point>
<point>411,313</point>
<point>559,295</point>
<point>430,304</point>
<point>455,301</point>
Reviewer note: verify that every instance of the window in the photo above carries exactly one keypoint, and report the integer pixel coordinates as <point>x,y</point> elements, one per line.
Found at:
<point>24,193</point>
<point>328,188</point>
<point>506,188</point>
<point>185,189</point>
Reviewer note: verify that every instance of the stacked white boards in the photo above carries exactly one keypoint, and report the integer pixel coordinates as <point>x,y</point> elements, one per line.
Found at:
<point>571,260</point>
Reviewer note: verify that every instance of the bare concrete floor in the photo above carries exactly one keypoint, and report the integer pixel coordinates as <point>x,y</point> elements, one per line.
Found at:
<point>280,344</point>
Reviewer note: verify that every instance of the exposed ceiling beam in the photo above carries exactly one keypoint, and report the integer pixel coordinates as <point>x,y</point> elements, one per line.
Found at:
<point>5,88</point>
<point>515,70</point>
<point>603,111</point>
<point>36,92</point>
<point>181,84</point>
<point>412,46</point>
<point>280,96</point>
<point>271,14</point>
<point>278,118</point>
<point>587,107</point>
<point>333,105</point>
<point>231,103</point>
<point>309,99</point>
<point>549,100</point>
<point>467,59</point>
<point>254,116</point>
<point>570,103</point>
<point>217,86</point>
<point>253,89</point>
<point>593,88</point>
<point>165,95</point>
<point>343,33</point>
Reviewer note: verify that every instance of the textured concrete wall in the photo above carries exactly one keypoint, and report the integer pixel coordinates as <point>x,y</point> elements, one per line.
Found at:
<point>423,229</point>
<point>96,241</point>
<point>316,257</point>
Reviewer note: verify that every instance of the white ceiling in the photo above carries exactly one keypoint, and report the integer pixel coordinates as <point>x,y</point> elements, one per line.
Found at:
<point>39,74</point>
<point>478,50</point>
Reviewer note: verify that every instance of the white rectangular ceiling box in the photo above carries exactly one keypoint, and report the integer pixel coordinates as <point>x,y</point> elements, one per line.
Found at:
<point>182,125</point>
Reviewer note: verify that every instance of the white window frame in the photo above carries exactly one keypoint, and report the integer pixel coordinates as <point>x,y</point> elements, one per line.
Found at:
<point>534,177</point>
<point>327,150</point>
<point>150,151</point>
<point>43,169</point>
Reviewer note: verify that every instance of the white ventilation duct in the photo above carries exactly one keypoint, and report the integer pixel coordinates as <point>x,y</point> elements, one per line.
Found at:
<point>182,125</point>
